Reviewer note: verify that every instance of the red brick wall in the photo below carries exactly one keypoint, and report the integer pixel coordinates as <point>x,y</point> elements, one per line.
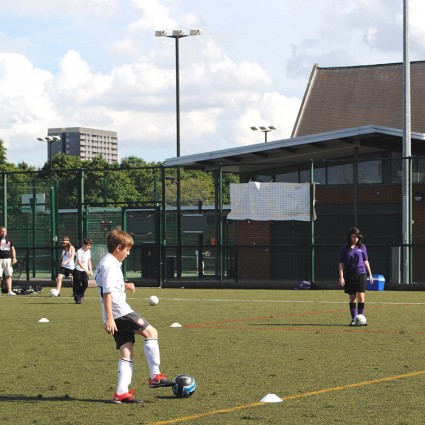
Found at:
<point>253,238</point>
<point>387,194</point>
<point>253,241</point>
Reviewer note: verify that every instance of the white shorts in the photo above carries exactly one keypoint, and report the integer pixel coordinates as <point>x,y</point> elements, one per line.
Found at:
<point>6,266</point>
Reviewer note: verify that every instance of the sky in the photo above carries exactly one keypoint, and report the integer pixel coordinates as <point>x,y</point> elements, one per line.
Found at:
<point>98,64</point>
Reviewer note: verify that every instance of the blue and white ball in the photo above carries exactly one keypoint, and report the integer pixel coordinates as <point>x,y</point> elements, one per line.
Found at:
<point>184,387</point>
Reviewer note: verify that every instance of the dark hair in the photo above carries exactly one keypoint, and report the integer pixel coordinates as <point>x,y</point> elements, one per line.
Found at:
<point>118,237</point>
<point>354,231</point>
<point>87,241</point>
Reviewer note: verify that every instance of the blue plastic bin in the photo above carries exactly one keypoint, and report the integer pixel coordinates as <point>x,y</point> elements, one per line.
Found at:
<point>378,283</point>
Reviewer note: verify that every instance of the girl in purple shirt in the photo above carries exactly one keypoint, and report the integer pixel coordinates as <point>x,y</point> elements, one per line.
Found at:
<point>353,270</point>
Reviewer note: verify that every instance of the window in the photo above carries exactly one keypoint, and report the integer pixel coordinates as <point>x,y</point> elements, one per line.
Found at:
<point>262,178</point>
<point>287,177</point>
<point>418,170</point>
<point>370,172</point>
<point>340,174</point>
<point>396,170</point>
<point>319,176</point>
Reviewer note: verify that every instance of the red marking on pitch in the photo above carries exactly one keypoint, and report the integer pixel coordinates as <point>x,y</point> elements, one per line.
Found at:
<point>293,327</point>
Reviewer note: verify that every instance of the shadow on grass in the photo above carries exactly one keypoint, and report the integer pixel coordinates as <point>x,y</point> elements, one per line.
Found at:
<point>169,397</point>
<point>38,398</point>
<point>59,304</point>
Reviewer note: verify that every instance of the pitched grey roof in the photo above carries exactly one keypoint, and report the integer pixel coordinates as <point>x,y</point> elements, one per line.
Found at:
<point>353,96</point>
<point>340,143</point>
<point>344,109</point>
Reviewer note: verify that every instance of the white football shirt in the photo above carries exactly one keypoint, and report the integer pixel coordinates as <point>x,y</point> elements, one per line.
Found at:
<point>109,279</point>
<point>83,257</point>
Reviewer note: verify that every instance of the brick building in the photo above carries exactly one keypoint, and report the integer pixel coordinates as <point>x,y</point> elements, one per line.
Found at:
<point>347,139</point>
<point>85,143</point>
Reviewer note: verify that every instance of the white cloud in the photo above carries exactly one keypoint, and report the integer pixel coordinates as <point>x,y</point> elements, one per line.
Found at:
<point>97,63</point>
<point>417,29</point>
<point>25,102</point>
<point>45,7</point>
<point>154,15</point>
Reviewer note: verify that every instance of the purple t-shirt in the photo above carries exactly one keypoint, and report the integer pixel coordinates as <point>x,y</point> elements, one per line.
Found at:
<point>353,259</point>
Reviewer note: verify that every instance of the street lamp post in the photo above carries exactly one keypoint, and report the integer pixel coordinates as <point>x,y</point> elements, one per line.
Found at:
<point>177,35</point>
<point>50,140</point>
<point>265,130</point>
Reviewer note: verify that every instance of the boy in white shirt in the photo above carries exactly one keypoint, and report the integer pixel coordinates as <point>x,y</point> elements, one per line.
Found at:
<point>82,271</point>
<point>122,322</point>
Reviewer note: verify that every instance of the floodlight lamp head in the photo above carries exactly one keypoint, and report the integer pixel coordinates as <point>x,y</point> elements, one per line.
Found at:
<point>178,33</point>
<point>263,128</point>
<point>161,33</point>
<point>272,128</point>
<point>254,128</point>
<point>40,139</point>
<point>195,31</point>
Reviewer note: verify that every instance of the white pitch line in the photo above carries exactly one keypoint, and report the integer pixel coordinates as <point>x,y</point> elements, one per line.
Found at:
<point>284,301</point>
<point>249,301</point>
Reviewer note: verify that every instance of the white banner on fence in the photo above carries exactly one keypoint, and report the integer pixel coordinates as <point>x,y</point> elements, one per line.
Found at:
<point>270,201</point>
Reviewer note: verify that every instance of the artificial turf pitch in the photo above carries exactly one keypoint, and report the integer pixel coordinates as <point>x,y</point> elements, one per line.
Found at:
<point>239,345</point>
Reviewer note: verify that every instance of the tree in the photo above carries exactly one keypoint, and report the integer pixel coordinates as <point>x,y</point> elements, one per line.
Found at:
<point>65,176</point>
<point>3,156</point>
<point>143,178</point>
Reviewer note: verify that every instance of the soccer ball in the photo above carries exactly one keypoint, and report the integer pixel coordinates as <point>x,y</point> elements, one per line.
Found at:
<point>153,300</point>
<point>360,320</point>
<point>54,292</point>
<point>184,387</point>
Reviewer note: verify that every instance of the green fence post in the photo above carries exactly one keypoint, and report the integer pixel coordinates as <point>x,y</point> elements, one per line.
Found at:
<point>158,238</point>
<point>34,224</point>
<point>410,220</point>
<point>124,227</point>
<point>54,231</point>
<point>162,231</point>
<point>81,208</point>
<point>312,196</point>
<point>4,198</point>
<point>220,208</point>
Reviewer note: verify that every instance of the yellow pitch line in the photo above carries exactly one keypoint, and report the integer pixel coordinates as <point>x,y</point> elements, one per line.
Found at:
<point>356,384</point>
<point>291,397</point>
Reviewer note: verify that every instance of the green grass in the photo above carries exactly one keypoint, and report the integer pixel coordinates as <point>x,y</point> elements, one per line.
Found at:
<point>240,345</point>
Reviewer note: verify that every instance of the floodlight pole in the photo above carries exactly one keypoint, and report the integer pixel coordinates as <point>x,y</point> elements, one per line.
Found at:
<point>407,153</point>
<point>50,140</point>
<point>177,34</point>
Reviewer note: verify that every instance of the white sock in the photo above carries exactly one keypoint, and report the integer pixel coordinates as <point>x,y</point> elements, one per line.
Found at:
<point>125,373</point>
<point>152,356</point>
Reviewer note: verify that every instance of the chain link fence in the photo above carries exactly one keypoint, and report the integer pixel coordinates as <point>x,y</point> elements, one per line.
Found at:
<point>194,241</point>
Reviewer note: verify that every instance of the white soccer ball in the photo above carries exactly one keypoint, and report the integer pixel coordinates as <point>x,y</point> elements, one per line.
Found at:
<point>360,320</point>
<point>153,300</point>
<point>54,292</point>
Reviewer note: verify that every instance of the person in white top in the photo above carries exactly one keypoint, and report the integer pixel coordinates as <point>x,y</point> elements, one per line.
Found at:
<point>122,322</point>
<point>7,259</point>
<point>67,265</point>
<point>82,271</point>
